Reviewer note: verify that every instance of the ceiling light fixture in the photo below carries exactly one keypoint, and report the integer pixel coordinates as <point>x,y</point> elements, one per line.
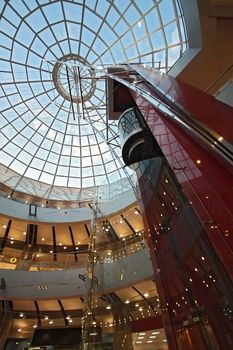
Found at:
<point>42,286</point>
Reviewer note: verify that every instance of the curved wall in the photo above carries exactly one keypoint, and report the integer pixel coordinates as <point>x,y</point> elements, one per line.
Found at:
<point>12,208</point>
<point>67,283</point>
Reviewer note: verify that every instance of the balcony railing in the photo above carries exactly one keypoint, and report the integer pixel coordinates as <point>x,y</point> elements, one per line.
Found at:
<point>39,261</point>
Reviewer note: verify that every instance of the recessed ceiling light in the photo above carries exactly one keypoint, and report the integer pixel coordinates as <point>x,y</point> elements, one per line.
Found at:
<point>24,233</point>
<point>127,301</point>
<point>51,322</point>
<point>146,295</point>
<point>21,314</point>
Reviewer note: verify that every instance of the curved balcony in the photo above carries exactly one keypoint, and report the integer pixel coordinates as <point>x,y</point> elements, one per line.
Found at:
<point>43,259</point>
<point>113,274</point>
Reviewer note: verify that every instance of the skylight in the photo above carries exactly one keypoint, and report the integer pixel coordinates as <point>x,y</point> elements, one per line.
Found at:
<point>52,97</point>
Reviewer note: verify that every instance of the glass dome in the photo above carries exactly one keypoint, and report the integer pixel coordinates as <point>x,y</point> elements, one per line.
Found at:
<point>52,96</point>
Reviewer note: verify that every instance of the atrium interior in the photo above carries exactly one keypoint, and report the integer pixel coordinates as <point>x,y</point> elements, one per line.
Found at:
<point>116,162</point>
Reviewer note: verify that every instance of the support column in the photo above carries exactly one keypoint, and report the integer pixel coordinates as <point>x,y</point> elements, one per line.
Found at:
<point>189,275</point>
<point>192,278</point>
<point>4,240</point>
<point>5,321</point>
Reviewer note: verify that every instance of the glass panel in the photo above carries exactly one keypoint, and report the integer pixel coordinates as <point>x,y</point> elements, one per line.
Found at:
<point>47,47</point>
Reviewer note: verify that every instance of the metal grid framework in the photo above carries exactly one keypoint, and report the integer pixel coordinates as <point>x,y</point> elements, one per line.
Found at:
<point>51,146</point>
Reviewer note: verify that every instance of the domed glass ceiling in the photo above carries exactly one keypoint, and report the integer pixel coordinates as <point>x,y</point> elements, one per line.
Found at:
<point>52,94</point>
